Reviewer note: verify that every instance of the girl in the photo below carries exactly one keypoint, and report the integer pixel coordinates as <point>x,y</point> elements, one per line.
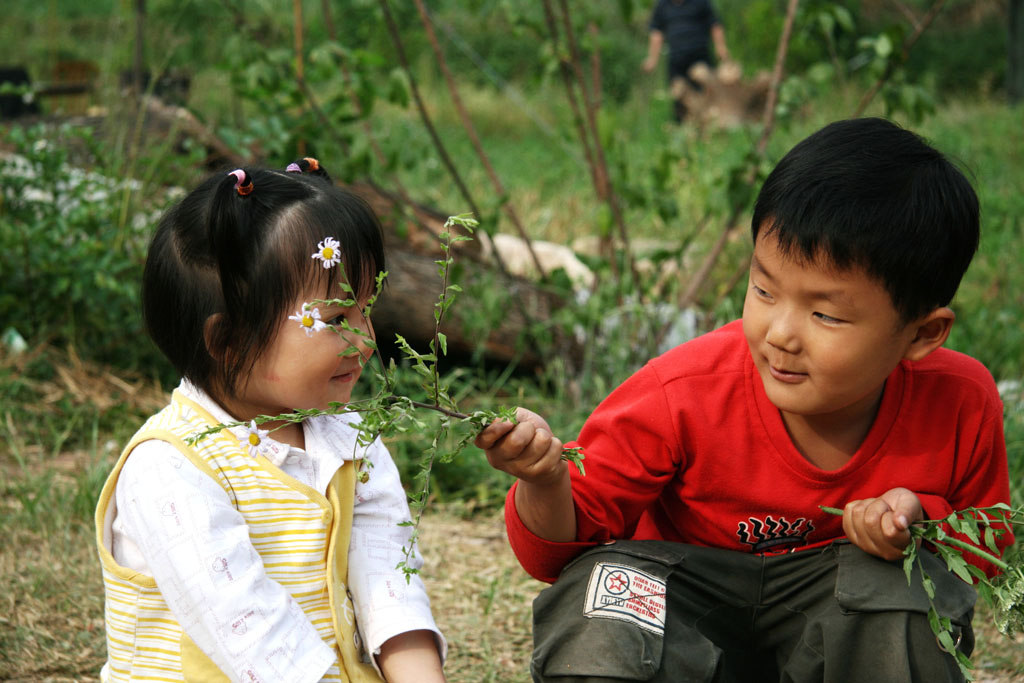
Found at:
<point>258,554</point>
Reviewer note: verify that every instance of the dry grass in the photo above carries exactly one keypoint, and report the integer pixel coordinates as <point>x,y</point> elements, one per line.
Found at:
<point>480,596</point>
<point>51,602</point>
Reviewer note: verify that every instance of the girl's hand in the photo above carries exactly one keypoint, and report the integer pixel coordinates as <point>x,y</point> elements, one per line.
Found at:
<point>527,450</point>
<point>881,526</point>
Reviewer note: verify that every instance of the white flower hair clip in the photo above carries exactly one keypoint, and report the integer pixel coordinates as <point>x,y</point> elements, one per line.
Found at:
<point>255,439</point>
<point>328,252</point>
<point>309,319</point>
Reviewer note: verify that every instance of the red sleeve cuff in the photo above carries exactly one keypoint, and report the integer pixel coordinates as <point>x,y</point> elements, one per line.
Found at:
<point>542,559</point>
<point>935,507</point>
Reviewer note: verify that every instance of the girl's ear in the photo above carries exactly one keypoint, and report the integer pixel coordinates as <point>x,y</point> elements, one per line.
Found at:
<point>931,332</point>
<point>214,347</point>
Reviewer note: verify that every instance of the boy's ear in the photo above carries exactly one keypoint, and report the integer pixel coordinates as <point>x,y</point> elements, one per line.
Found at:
<point>931,332</point>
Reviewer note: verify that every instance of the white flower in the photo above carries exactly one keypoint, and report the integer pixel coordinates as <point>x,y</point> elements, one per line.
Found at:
<point>255,439</point>
<point>309,319</point>
<point>328,252</point>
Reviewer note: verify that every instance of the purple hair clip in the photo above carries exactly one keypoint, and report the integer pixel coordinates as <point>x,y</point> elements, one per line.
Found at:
<point>293,168</point>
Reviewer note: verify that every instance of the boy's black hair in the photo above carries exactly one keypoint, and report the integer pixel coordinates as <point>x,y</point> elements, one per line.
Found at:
<point>246,259</point>
<point>867,193</point>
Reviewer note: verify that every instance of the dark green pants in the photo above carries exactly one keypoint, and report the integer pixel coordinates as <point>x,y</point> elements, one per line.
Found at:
<point>670,612</point>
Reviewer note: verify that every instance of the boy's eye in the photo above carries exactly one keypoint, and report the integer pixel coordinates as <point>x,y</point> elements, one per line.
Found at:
<point>760,292</point>
<point>827,318</point>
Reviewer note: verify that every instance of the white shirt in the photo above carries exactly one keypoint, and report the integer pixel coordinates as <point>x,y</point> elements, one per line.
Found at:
<point>157,478</point>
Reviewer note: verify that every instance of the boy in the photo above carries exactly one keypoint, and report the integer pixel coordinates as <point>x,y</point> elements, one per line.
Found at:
<point>708,556</point>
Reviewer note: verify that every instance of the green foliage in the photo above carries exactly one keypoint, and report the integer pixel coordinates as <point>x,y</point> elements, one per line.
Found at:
<point>69,262</point>
<point>961,56</point>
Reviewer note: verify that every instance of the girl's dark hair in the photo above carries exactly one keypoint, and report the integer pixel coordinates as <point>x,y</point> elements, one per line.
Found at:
<point>245,259</point>
<point>867,193</point>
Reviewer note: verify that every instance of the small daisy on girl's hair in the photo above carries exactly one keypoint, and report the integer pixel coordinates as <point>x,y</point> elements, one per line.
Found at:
<point>254,439</point>
<point>309,319</point>
<point>327,251</point>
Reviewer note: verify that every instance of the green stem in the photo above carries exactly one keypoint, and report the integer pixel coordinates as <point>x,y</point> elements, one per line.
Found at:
<point>983,554</point>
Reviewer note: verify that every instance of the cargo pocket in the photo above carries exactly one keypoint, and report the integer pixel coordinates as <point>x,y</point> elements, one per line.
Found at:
<point>867,584</point>
<point>607,617</point>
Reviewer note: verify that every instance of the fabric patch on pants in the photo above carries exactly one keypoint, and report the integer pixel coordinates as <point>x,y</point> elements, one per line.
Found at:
<point>618,591</point>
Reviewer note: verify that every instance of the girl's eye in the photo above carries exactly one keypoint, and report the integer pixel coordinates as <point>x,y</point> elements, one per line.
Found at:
<point>827,318</point>
<point>346,314</point>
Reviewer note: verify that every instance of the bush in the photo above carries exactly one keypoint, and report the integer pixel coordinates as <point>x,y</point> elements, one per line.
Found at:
<point>71,262</point>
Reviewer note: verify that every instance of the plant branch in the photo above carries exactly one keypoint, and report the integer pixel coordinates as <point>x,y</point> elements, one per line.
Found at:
<point>700,278</point>
<point>474,139</point>
<point>300,69</point>
<point>776,82</point>
<point>597,177</point>
<point>396,38</point>
<point>963,545</point>
<point>590,107</point>
<point>890,67</point>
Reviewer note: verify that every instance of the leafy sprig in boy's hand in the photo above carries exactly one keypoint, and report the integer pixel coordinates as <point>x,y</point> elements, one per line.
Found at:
<point>526,449</point>
<point>881,526</point>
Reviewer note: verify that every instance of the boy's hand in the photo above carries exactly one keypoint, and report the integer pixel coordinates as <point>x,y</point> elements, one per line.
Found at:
<point>881,526</point>
<point>526,450</point>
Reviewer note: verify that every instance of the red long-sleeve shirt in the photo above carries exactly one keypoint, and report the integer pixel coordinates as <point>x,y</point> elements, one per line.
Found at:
<point>690,449</point>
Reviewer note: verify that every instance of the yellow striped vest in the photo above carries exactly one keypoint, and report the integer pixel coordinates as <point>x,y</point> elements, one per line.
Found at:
<point>301,536</point>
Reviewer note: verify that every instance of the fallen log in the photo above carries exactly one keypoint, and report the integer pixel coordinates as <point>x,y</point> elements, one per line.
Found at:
<point>500,329</point>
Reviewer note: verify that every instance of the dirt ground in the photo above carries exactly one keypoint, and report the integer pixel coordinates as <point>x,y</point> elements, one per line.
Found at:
<point>480,596</point>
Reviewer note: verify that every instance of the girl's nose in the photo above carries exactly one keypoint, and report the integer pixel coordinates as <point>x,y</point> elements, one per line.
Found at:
<point>360,342</point>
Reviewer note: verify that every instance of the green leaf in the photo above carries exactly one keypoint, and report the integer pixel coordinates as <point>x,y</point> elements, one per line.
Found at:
<point>883,46</point>
<point>929,586</point>
<point>908,565</point>
<point>958,565</point>
<point>946,641</point>
<point>970,528</point>
<point>990,540</point>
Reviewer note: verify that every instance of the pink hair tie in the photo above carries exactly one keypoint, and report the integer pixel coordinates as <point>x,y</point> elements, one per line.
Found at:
<point>293,168</point>
<point>242,183</point>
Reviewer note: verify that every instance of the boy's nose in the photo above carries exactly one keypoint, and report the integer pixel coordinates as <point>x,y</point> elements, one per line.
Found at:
<point>782,334</point>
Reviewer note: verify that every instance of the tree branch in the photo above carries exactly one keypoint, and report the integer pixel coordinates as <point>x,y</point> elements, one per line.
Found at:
<point>697,282</point>
<point>607,190</point>
<point>890,67</point>
<point>474,139</point>
<point>396,38</point>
